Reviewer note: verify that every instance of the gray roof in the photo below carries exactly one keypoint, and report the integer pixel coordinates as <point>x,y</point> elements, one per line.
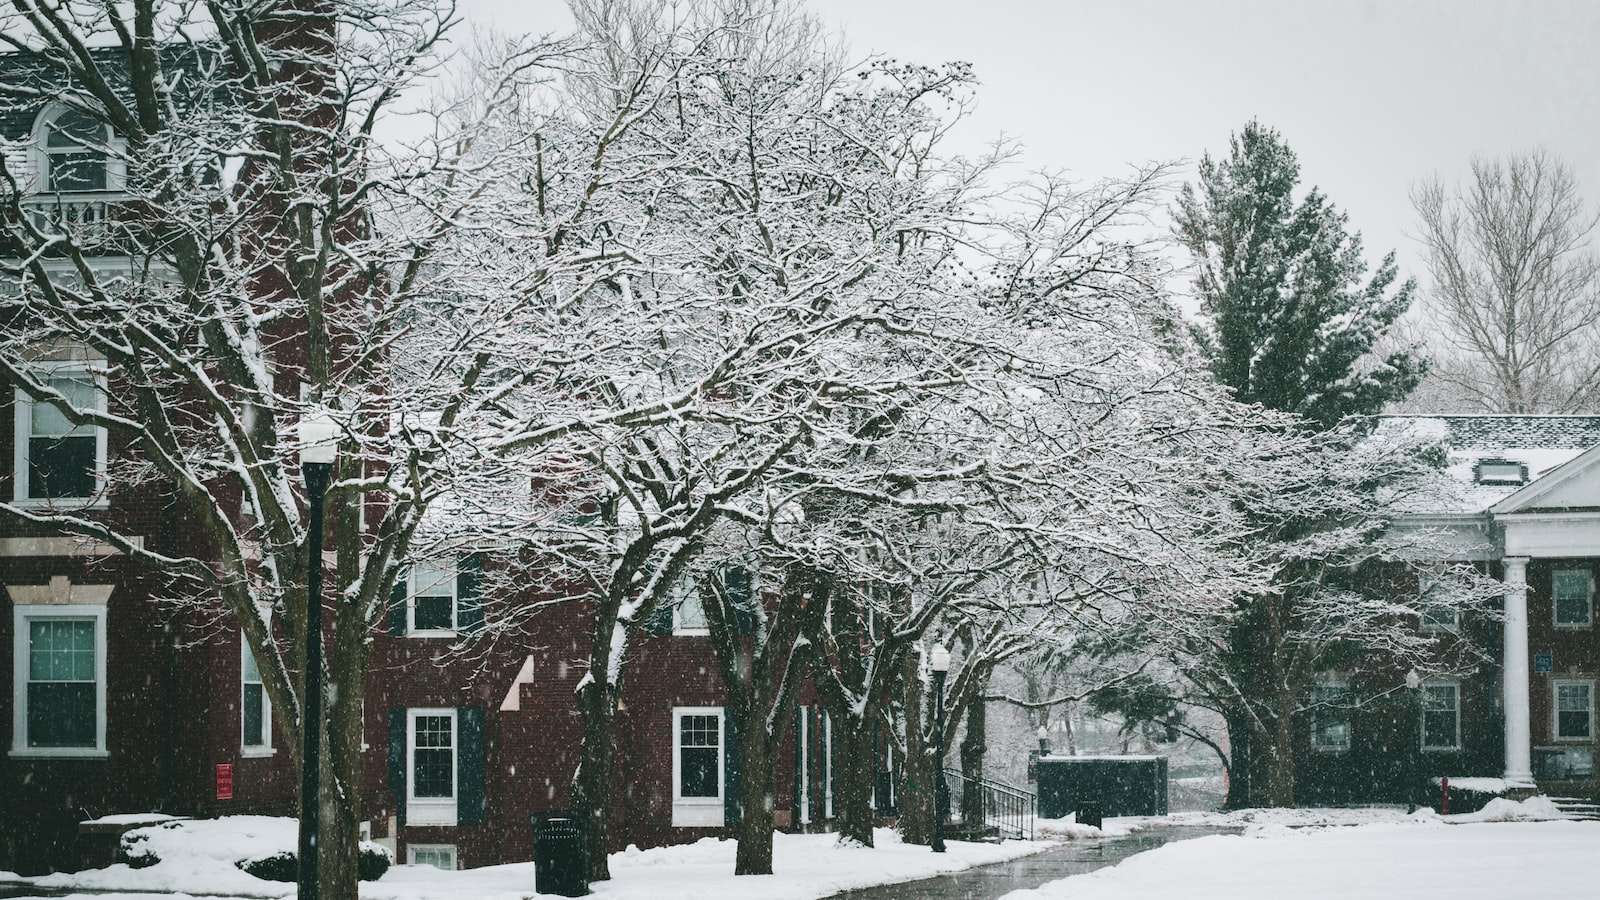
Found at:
<point>1487,432</point>
<point>22,75</point>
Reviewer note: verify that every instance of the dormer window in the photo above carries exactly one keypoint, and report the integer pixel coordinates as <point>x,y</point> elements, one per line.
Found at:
<point>75,152</point>
<point>1501,471</point>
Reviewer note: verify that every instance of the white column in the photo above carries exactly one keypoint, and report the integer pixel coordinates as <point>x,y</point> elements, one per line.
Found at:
<point>1514,676</point>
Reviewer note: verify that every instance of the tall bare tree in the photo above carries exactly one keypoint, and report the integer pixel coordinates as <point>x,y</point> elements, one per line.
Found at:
<point>1515,290</point>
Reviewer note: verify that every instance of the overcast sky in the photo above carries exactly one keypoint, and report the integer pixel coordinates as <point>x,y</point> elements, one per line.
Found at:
<point>1371,95</point>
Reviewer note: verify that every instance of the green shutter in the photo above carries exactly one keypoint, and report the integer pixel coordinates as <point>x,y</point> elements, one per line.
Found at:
<point>397,761</point>
<point>469,593</point>
<point>397,605</point>
<point>660,620</point>
<point>731,765</point>
<point>469,766</point>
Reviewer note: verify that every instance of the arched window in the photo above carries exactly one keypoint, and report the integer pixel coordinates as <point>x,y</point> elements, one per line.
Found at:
<point>74,152</point>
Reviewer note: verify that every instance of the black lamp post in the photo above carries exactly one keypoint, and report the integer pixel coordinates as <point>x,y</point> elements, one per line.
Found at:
<point>939,662</point>
<point>318,441</point>
<point>1413,690</point>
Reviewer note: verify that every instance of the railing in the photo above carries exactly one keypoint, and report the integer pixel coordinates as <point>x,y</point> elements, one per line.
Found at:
<point>980,803</point>
<point>88,218</point>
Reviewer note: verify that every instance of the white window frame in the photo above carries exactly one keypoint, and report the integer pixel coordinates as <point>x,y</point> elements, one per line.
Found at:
<point>698,812</point>
<point>683,594</point>
<point>116,146</point>
<point>22,615</point>
<point>452,566</point>
<point>264,748</point>
<point>1555,709</point>
<point>1338,689</point>
<point>447,850</point>
<point>432,810</point>
<point>1422,710</point>
<point>1427,584</point>
<point>22,432</point>
<point>1588,616</point>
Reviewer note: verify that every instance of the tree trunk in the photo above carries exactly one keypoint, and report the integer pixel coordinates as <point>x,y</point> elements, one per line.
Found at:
<point>1241,766</point>
<point>917,768</point>
<point>591,786</point>
<point>853,782</point>
<point>974,745</point>
<point>754,856</point>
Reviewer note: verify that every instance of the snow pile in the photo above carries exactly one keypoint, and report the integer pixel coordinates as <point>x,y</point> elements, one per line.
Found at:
<point>1396,859</point>
<point>1067,828</point>
<point>1533,809</point>
<point>195,856</point>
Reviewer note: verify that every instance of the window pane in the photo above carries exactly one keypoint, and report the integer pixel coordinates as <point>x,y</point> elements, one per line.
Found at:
<point>1439,715</point>
<point>1331,726</point>
<point>254,722</point>
<point>61,650</point>
<point>1572,598</point>
<point>691,612</point>
<point>61,467</point>
<point>48,419</point>
<point>251,671</point>
<point>433,760</point>
<point>433,614</point>
<point>431,580</point>
<point>61,714</point>
<point>78,170</point>
<point>71,144</point>
<point>699,771</point>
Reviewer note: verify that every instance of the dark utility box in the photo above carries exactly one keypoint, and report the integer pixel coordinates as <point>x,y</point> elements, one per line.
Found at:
<point>1109,785</point>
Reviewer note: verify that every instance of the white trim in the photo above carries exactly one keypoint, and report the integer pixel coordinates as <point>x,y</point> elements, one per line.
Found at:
<point>1588,609</point>
<point>1455,688</point>
<point>432,810</point>
<point>450,849</point>
<point>698,812</point>
<point>22,432</point>
<point>453,566</point>
<point>21,616</point>
<point>1555,710</point>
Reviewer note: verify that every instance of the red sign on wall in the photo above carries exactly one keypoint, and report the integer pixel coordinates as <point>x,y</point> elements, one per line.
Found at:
<point>225,782</point>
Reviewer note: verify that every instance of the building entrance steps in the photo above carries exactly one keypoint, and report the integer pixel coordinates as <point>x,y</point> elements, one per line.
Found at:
<point>1071,858</point>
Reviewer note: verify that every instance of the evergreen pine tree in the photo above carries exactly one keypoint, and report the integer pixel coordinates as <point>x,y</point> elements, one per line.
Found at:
<point>1290,324</point>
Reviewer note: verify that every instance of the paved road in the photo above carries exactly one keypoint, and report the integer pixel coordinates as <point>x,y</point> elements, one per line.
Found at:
<point>1073,858</point>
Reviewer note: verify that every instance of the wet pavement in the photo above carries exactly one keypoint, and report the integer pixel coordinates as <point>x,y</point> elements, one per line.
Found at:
<point>1072,858</point>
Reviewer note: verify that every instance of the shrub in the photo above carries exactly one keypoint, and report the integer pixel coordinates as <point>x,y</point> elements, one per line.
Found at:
<point>372,861</point>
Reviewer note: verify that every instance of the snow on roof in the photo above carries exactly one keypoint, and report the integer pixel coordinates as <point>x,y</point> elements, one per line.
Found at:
<point>1541,443</point>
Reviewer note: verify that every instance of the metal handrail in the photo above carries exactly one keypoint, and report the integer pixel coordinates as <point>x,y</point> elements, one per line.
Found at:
<point>1007,809</point>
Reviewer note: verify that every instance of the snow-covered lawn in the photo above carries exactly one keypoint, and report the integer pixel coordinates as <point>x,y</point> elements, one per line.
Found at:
<point>197,858</point>
<point>1420,856</point>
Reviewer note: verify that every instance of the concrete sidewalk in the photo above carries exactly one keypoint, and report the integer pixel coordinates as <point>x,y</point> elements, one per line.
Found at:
<point>1072,858</point>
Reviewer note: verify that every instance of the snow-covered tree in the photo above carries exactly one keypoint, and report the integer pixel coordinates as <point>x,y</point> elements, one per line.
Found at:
<point>260,258</point>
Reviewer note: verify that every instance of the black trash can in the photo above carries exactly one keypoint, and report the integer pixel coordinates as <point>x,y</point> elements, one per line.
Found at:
<point>560,855</point>
<point>1090,812</point>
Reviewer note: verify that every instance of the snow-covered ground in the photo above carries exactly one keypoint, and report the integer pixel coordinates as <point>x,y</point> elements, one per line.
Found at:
<point>197,858</point>
<point>1313,855</point>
